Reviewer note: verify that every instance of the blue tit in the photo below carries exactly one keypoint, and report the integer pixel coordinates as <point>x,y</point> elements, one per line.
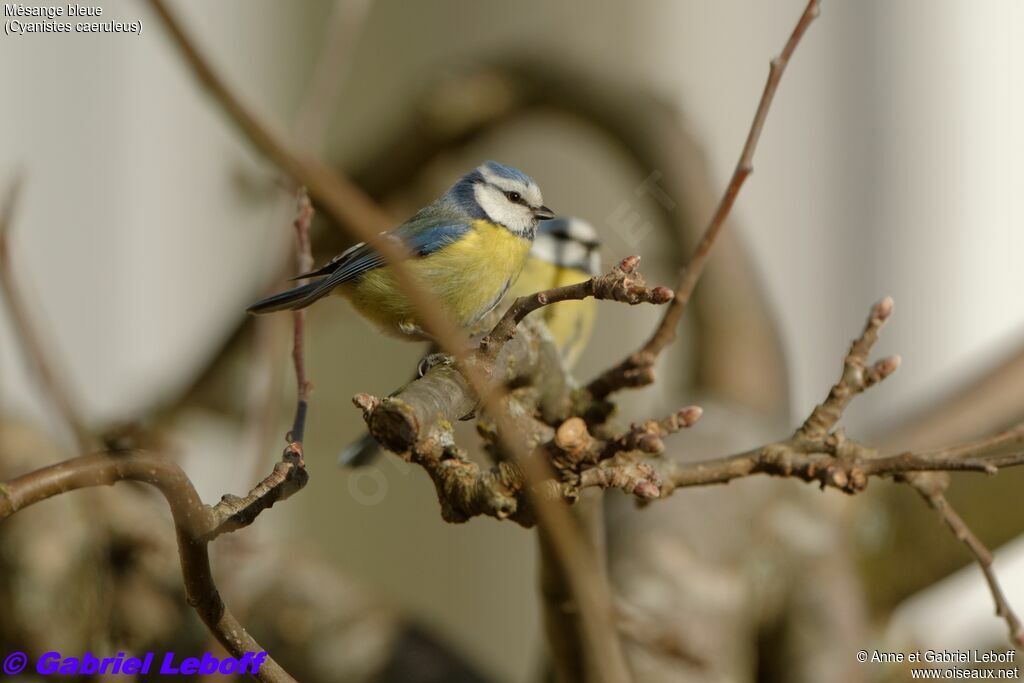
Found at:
<point>467,248</point>
<point>565,251</point>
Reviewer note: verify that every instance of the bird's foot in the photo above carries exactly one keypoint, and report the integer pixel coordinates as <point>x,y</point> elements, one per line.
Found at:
<point>432,360</point>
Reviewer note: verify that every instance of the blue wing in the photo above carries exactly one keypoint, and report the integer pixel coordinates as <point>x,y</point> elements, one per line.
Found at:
<point>420,240</point>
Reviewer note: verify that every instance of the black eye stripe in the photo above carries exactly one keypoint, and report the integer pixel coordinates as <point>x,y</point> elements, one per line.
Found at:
<point>562,236</point>
<point>515,197</point>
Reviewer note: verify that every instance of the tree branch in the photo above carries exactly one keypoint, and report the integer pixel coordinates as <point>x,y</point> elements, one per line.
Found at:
<point>193,522</point>
<point>634,370</point>
<point>819,453</point>
<point>623,283</point>
<point>288,477</point>
<point>304,257</point>
<point>856,377</point>
<point>931,490</point>
<point>196,524</point>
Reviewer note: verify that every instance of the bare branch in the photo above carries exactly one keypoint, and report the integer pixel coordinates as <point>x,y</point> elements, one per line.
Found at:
<point>623,283</point>
<point>932,492</point>
<point>856,377</point>
<point>233,513</point>
<point>834,462</point>
<point>648,437</point>
<point>577,447</point>
<point>193,521</point>
<point>637,478</point>
<point>983,404</point>
<point>634,370</point>
<point>196,524</point>
<point>817,452</point>
<point>303,218</point>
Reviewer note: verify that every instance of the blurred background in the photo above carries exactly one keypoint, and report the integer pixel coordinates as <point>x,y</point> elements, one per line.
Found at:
<point>889,166</point>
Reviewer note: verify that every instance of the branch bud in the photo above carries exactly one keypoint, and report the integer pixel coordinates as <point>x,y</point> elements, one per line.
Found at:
<point>883,309</point>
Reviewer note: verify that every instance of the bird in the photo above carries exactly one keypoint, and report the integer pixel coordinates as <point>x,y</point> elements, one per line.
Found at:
<point>467,247</point>
<point>565,251</point>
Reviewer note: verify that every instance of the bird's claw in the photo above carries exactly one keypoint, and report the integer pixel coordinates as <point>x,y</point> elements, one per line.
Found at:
<point>432,360</point>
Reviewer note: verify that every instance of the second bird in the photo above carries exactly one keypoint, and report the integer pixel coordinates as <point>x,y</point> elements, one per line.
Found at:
<point>467,248</point>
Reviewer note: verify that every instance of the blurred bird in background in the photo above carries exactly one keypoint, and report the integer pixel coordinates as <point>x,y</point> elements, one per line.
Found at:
<point>565,251</point>
<point>467,248</point>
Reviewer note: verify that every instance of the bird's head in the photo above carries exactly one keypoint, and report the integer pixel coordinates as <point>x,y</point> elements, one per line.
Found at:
<point>503,195</point>
<point>568,243</point>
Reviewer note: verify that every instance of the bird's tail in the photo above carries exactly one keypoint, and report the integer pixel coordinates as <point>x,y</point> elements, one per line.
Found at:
<point>360,452</point>
<point>294,298</point>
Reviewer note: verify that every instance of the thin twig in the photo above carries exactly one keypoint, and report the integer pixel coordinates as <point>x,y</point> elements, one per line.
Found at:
<point>310,125</point>
<point>935,497</point>
<point>304,256</point>
<point>980,405</point>
<point>28,332</point>
<point>288,477</point>
<point>578,448</point>
<point>834,462</point>
<point>265,385</point>
<point>639,479</point>
<point>625,373</point>
<point>818,452</point>
<point>623,283</point>
<point>857,375</point>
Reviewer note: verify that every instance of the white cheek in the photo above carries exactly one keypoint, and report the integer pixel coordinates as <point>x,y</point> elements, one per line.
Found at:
<point>566,253</point>
<point>581,231</point>
<point>545,248</point>
<point>515,217</point>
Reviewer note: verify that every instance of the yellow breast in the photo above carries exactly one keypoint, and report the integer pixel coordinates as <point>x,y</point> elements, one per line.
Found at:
<point>468,277</point>
<point>570,322</point>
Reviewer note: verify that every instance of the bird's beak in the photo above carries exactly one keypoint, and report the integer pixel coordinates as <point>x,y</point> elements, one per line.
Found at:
<point>543,213</point>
